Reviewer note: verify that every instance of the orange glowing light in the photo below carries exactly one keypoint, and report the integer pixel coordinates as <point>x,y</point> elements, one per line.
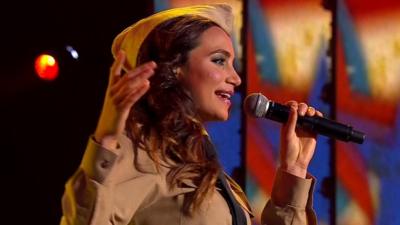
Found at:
<point>46,67</point>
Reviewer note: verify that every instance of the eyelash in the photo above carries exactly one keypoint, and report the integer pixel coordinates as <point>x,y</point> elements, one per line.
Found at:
<point>219,61</point>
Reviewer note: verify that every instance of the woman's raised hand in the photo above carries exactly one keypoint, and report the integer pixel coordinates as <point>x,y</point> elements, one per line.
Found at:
<point>297,145</point>
<point>123,91</point>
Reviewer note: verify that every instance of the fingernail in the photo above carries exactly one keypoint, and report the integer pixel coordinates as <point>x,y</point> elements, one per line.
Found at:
<point>120,54</point>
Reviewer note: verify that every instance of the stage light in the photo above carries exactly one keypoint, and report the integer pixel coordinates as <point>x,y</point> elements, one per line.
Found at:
<point>74,54</point>
<point>46,67</point>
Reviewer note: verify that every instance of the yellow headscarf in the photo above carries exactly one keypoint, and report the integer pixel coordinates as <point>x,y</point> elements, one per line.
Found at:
<point>133,36</point>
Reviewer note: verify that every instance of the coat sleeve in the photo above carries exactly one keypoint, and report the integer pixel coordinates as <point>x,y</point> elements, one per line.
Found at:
<point>106,188</point>
<point>291,201</point>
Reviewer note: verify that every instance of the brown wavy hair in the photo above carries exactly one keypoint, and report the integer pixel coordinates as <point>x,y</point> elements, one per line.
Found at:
<point>165,121</point>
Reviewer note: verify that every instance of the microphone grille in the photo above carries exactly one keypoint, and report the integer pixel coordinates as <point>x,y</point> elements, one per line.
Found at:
<point>256,105</point>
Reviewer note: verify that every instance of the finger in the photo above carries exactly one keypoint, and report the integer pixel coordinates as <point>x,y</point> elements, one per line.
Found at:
<point>318,113</point>
<point>129,84</point>
<point>310,111</point>
<point>291,103</point>
<point>143,71</point>
<point>116,68</point>
<point>302,109</point>
<point>128,102</point>
<point>292,119</point>
<point>128,90</point>
<point>140,69</point>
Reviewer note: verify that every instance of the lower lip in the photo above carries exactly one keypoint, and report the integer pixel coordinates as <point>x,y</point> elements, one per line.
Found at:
<point>226,101</point>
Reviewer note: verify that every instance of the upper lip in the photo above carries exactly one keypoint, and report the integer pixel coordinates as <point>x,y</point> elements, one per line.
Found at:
<point>229,92</point>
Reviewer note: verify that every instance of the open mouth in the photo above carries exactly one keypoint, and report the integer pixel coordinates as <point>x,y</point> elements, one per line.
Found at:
<point>225,96</point>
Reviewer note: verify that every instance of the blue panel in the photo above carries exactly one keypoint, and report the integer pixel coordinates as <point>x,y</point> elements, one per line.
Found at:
<point>354,54</point>
<point>263,43</point>
<point>227,137</point>
<point>320,164</point>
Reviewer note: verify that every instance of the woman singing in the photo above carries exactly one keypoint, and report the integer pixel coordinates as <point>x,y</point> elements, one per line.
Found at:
<point>150,160</point>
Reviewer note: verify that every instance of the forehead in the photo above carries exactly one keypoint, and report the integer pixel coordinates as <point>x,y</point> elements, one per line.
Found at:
<point>215,38</point>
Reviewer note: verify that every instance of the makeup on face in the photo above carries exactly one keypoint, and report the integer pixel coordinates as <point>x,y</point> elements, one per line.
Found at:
<point>209,74</point>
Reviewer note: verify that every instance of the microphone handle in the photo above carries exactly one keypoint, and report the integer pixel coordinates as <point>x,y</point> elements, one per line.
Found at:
<point>320,125</point>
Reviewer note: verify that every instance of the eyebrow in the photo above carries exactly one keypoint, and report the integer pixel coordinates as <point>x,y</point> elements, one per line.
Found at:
<point>222,51</point>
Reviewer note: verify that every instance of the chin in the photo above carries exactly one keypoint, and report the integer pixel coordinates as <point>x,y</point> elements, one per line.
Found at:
<point>214,115</point>
<point>225,118</point>
<point>215,118</point>
<point>222,117</point>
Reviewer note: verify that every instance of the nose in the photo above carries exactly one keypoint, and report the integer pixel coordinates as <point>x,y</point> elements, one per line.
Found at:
<point>234,78</point>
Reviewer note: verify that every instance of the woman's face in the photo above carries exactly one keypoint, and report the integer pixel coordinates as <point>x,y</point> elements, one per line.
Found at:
<point>209,74</point>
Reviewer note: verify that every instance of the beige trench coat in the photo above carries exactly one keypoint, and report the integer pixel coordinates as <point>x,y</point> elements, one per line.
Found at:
<point>109,189</point>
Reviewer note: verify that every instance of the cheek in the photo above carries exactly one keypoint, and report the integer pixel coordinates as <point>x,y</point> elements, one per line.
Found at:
<point>205,84</point>
<point>215,76</point>
<point>209,72</point>
<point>204,76</point>
<point>208,78</point>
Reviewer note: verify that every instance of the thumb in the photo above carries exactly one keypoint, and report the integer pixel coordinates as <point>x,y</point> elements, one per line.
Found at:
<point>116,68</point>
<point>290,125</point>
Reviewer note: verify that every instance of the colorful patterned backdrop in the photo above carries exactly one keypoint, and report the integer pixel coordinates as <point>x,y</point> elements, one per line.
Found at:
<point>368,94</point>
<point>287,58</point>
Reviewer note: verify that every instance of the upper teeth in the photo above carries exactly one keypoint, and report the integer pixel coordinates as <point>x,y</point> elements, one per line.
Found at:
<point>225,95</point>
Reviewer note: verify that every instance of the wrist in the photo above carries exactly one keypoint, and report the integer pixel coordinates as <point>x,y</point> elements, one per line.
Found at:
<point>106,141</point>
<point>295,170</point>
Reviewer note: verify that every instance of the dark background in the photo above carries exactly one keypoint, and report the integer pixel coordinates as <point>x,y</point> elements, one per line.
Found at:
<point>45,125</point>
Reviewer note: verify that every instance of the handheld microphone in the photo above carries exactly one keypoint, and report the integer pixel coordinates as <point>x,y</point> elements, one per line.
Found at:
<point>257,105</point>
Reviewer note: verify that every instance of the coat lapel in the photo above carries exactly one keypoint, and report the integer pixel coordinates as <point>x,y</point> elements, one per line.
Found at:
<point>240,196</point>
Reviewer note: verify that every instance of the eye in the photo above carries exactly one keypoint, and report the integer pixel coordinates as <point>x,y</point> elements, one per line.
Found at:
<point>219,60</point>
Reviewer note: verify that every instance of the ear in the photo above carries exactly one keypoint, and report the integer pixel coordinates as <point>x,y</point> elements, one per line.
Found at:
<point>175,70</point>
<point>178,72</point>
